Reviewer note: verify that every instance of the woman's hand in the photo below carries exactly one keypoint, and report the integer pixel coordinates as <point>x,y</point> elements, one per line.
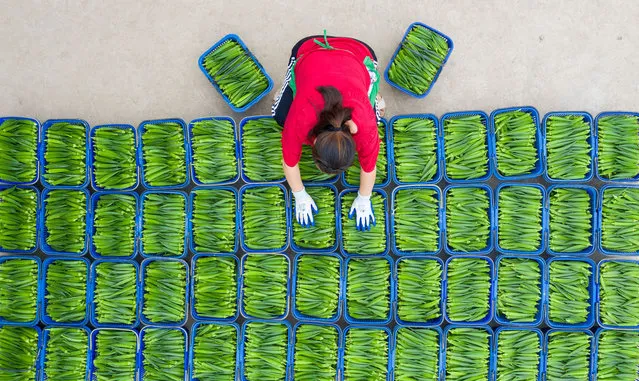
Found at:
<point>304,208</point>
<point>362,209</point>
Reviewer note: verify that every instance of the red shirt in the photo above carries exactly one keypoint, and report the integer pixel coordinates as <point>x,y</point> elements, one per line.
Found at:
<point>341,67</point>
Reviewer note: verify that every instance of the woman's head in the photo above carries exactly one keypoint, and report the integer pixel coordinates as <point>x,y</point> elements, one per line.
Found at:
<point>334,147</point>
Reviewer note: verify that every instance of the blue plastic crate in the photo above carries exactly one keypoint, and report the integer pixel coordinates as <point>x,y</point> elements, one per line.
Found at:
<point>190,208</point>
<point>42,359</point>
<point>381,193</point>
<point>140,153</point>
<point>141,350</point>
<point>243,312</point>
<point>440,355</point>
<point>241,219</point>
<point>596,132</point>
<point>591,290</point>
<point>409,92</point>
<point>43,149</point>
<point>92,155</point>
<point>293,221</point>
<point>138,297</point>
<point>46,319</point>
<point>489,145</point>
<point>141,224</point>
<point>429,323</point>
<point>595,355</point>
<point>44,233</point>
<point>389,355</point>
<point>602,194</point>
<point>39,348</point>
<point>495,351</point>
<point>143,317</point>
<point>136,240</point>
<point>492,217</point>
<point>238,275</point>
<point>539,166</point>
<point>235,38</point>
<point>38,262</point>
<point>191,351</point>
<point>591,140</point>
<point>245,178</point>
<point>491,306</point>
<point>289,352</point>
<point>391,292</point>
<point>191,155</point>
<point>93,348</point>
<point>544,219</point>
<point>598,294</point>
<point>307,318</point>
<point>338,330</point>
<point>491,339</point>
<point>592,192</point>
<point>539,317</point>
<point>36,153</point>
<point>440,223</point>
<point>37,219</point>
<point>439,152</point>
<point>593,349</point>
<point>389,159</point>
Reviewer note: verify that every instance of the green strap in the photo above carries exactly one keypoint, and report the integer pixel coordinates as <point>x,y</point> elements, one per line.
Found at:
<point>374,74</point>
<point>325,44</point>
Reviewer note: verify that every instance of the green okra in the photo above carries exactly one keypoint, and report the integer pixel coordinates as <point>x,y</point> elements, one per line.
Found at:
<point>352,174</point>
<point>318,284</point>
<point>19,147</point>
<point>65,154</point>
<point>570,220</point>
<point>213,142</point>
<point>467,354</point>
<point>619,219</point>
<point>568,356</point>
<point>114,158</point>
<point>163,224</point>
<point>65,213</point>
<point>18,290</point>
<point>262,150</point>
<point>308,168</point>
<point>420,57</point>
<point>416,354</point>
<point>214,352</point>
<point>366,354</point>
<point>316,353</point>
<point>618,299</point>
<point>322,235</point>
<point>371,241</point>
<point>466,147</point>
<point>215,287</point>
<point>164,291</point>
<point>66,354</point>
<point>66,291</point>
<point>518,355</point>
<point>617,356</point>
<point>115,293</point>
<point>114,224</point>
<point>115,355</point>
<point>163,354</point>
<point>519,289</point>
<point>264,217</point>
<point>368,288</point>
<point>19,349</point>
<point>265,351</point>
<point>416,221</point>
<point>468,296</point>
<point>163,154</point>
<point>415,149</point>
<point>520,218</point>
<point>18,218</point>
<point>467,219</point>
<point>568,147</point>
<point>265,285</point>
<point>515,139</point>
<point>618,144</point>
<point>569,299</point>
<point>214,220</point>
<point>419,289</point>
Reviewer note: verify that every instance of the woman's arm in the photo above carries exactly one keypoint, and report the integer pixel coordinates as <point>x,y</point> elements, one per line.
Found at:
<point>293,177</point>
<point>366,182</point>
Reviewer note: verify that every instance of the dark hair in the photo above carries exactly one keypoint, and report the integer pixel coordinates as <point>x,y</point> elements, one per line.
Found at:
<point>334,147</point>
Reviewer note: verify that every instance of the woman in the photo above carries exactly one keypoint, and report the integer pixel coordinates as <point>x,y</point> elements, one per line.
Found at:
<point>329,101</point>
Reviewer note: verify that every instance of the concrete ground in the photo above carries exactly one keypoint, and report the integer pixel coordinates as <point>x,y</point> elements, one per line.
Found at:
<point>126,61</point>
